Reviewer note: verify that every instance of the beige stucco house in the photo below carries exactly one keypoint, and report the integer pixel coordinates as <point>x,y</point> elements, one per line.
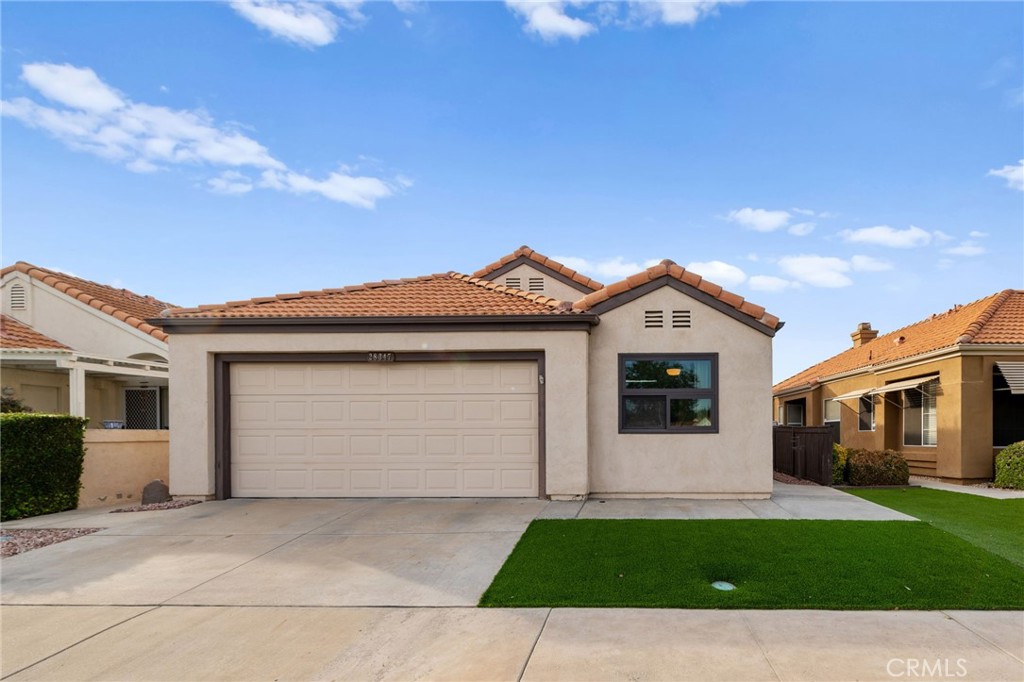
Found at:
<point>524,379</point>
<point>947,392</point>
<point>69,345</point>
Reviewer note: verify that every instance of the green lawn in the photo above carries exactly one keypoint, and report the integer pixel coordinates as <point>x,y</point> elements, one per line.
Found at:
<point>774,564</point>
<point>995,525</point>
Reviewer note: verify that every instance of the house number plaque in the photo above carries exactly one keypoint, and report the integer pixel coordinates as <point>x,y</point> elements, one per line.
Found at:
<point>380,357</point>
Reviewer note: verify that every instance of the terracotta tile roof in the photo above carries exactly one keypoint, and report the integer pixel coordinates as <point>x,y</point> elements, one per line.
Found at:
<point>441,295</point>
<point>667,268</point>
<point>539,258</point>
<point>15,334</point>
<point>996,319</point>
<point>128,307</point>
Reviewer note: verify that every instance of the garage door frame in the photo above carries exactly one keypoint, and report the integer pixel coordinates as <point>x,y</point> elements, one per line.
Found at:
<point>222,394</point>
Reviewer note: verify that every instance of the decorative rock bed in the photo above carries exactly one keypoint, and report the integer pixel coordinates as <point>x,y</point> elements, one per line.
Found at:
<point>173,504</point>
<point>19,540</point>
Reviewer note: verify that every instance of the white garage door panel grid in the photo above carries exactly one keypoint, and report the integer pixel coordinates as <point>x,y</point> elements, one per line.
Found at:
<point>415,429</point>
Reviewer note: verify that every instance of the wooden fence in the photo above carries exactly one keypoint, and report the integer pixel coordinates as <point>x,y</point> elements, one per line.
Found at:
<point>804,452</point>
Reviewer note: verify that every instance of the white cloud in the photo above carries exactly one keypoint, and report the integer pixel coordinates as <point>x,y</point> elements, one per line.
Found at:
<point>616,267</point>
<point>883,235</point>
<point>719,272</point>
<point>309,24</point>
<point>965,248</point>
<point>801,229</point>
<point>759,219</point>
<point>1014,175</point>
<point>819,271</point>
<point>941,236</point>
<point>977,234</point>
<point>230,182</point>
<point>803,211</point>
<point>146,138</point>
<point>549,20</point>
<point>869,264</point>
<point>769,283</point>
<point>673,12</point>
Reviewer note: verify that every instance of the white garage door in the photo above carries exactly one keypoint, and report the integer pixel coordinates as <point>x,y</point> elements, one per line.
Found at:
<point>431,429</point>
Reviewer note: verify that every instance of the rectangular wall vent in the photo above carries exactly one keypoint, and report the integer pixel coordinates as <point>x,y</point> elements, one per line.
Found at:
<point>514,282</point>
<point>654,319</point>
<point>680,319</point>
<point>19,301</point>
<point>536,284</point>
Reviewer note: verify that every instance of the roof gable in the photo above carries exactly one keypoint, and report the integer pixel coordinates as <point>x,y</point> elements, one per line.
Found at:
<point>15,334</point>
<point>995,319</point>
<point>126,306</point>
<point>524,255</point>
<point>668,273</point>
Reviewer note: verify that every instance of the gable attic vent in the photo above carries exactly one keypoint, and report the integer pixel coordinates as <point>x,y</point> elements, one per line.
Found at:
<point>536,284</point>
<point>514,282</point>
<point>680,319</point>
<point>654,319</point>
<point>19,300</point>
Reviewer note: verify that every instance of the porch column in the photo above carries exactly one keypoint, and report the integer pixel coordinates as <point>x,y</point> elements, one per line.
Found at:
<point>77,392</point>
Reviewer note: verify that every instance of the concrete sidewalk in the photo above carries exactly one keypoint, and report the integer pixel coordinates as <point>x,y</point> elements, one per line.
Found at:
<point>980,491</point>
<point>353,643</point>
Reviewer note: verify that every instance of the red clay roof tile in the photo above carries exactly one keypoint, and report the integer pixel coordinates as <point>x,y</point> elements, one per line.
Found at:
<point>540,259</point>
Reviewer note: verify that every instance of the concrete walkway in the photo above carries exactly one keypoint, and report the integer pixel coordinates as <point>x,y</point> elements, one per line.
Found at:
<point>386,589</point>
<point>994,493</point>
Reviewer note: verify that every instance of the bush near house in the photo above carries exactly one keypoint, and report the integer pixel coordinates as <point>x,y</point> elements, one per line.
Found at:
<point>873,467</point>
<point>839,457</point>
<point>1010,467</point>
<point>41,459</point>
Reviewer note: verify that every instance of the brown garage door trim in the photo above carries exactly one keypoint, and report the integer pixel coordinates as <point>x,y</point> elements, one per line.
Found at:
<point>222,395</point>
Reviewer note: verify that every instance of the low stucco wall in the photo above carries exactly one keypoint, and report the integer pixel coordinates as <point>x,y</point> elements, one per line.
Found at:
<point>119,463</point>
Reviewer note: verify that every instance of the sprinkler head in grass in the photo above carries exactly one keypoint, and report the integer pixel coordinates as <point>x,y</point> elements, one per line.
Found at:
<point>722,585</point>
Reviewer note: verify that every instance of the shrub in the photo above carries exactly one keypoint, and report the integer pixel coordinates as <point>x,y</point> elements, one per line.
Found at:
<point>871,467</point>
<point>1010,467</point>
<point>41,459</point>
<point>839,457</point>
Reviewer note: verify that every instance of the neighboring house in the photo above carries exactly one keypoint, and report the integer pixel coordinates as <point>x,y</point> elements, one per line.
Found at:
<point>946,392</point>
<point>68,345</point>
<point>453,385</point>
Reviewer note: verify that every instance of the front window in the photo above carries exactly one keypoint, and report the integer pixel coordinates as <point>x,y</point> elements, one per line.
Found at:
<point>1007,411</point>
<point>919,425</point>
<point>866,414</point>
<point>668,393</point>
<point>832,411</point>
<point>795,413</point>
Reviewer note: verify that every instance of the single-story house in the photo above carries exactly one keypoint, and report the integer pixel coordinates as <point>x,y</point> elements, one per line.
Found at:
<point>947,392</point>
<point>525,379</point>
<point>70,345</point>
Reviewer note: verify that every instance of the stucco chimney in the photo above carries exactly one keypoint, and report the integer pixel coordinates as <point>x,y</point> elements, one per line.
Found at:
<point>863,335</point>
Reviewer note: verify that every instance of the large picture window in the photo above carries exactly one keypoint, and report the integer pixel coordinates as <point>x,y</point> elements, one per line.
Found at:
<point>1007,411</point>
<point>919,425</point>
<point>668,393</point>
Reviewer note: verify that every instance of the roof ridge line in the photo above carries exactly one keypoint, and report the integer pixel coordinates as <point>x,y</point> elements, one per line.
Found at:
<point>553,303</point>
<point>975,327</point>
<point>525,251</point>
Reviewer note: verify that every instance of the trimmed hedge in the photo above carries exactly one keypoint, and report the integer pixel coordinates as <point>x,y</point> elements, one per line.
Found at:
<point>873,467</point>
<point>41,459</point>
<point>1010,467</point>
<point>839,457</point>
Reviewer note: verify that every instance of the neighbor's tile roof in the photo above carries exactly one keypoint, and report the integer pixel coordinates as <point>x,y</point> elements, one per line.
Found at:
<point>16,334</point>
<point>667,268</point>
<point>540,259</point>
<point>442,295</point>
<point>996,319</point>
<point>128,307</point>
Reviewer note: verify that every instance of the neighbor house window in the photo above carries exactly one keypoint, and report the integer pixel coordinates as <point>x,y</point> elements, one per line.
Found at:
<point>919,426</point>
<point>796,411</point>
<point>1007,412</point>
<point>832,411</point>
<point>668,393</point>
<point>866,413</point>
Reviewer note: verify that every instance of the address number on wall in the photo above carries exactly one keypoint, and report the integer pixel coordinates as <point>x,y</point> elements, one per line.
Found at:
<point>380,357</point>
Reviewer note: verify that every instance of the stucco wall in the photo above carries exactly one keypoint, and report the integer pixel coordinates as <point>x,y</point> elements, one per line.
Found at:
<point>552,287</point>
<point>119,464</point>
<point>192,400</point>
<point>735,462</point>
<point>103,397</point>
<point>77,325</point>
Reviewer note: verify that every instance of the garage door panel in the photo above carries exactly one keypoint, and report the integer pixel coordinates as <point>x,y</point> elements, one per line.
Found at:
<point>416,429</point>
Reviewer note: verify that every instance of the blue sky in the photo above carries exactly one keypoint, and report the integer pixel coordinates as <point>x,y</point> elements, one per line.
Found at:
<point>834,162</point>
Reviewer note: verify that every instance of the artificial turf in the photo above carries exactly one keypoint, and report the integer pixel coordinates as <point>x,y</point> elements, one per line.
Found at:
<point>784,564</point>
<point>995,525</point>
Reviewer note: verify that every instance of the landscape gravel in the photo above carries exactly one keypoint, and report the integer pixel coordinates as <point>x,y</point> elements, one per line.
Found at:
<point>173,504</point>
<point>19,540</point>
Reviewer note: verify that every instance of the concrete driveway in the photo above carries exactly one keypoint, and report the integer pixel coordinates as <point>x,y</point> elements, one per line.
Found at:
<point>386,589</point>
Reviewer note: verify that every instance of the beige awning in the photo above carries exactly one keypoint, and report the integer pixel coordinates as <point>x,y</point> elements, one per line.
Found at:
<point>1013,372</point>
<point>853,394</point>
<point>904,385</point>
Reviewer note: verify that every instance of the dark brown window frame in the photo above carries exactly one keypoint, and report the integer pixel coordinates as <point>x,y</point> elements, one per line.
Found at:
<point>670,393</point>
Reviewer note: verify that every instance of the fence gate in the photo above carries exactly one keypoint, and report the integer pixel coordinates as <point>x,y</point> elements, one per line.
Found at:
<point>804,452</point>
